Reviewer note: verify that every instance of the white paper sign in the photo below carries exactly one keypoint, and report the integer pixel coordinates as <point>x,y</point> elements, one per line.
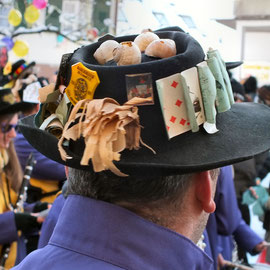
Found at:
<point>30,93</point>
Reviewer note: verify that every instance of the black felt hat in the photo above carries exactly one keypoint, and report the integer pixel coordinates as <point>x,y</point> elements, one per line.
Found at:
<point>232,65</point>
<point>18,69</point>
<point>8,105</point>
<point>244,130</point>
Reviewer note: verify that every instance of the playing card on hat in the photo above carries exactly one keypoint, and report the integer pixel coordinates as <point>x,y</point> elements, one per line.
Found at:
<point>173,103</point>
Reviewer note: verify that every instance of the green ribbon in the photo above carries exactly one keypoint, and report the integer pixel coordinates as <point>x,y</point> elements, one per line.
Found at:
<point>223,101</point>
<point>209,92</point>
<point>189,105</point>
<point>215,53</point>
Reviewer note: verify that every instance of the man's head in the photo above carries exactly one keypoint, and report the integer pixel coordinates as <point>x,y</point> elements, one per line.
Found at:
<point>250,85</point>
<point>179,202</point>
<point>26,91</point>
<point>264,94</point>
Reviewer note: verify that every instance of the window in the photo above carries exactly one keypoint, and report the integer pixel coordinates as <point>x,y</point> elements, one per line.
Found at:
<point>4,17</point>
<point>161,19</point>
<point>188,21</point>
<point>121,16</point>
<point>69,18</point>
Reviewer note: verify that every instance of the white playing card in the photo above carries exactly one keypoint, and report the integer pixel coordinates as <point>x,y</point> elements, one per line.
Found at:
<point>173,105</point>
<point>172,101</point>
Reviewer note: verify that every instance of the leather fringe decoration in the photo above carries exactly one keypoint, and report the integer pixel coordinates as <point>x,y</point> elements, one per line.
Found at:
<point>107,128</point>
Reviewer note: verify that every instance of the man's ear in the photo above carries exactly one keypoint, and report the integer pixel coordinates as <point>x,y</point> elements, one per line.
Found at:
<point>37,108</point>
<point>66,171</point>
<point>205,191</point>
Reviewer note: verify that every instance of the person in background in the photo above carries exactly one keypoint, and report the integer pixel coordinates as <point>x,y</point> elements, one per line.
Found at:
<point>19,70</point>
<point>226,226</point>
<point>264,94</point>
<point>44,183</point>
<point>263,170</point>
<point>47,176</point>
<point>13,226</point>
<point>251,86</point>
<point>245,173</point>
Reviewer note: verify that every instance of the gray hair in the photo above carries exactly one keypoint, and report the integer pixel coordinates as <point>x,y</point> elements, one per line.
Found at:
<point>155,199</point>
<point>135,190</point>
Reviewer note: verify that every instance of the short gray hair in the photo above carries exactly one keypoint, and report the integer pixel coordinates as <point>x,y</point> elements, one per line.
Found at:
<point>135,190</point>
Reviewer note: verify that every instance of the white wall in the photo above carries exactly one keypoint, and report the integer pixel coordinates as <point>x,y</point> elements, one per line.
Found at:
<point>254,49</point>
<point>257,46</point>
<point>44,48</point>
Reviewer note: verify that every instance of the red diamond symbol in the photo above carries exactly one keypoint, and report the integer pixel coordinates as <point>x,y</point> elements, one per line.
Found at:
<point>188,123</point>
<point>142,81</point>
<point>182,122</point>
<point>173,119</point>
<point>174,84</point>
<point>168,128</point>
<point>178,102</point>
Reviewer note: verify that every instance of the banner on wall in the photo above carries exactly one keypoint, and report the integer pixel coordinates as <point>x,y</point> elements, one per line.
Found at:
<point>260,70</point>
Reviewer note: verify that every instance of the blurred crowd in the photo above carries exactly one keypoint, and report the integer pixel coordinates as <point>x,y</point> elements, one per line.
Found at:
<point>20,226</point>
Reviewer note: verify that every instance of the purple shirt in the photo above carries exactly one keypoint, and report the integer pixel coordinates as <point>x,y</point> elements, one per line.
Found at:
<point>50,221</point>
<point>92,234</point>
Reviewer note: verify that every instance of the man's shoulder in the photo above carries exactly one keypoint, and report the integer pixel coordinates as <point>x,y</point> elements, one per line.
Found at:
<point>58,258</point>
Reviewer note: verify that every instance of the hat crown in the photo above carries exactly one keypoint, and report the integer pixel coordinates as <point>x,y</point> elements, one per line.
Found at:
<point>112,77</point>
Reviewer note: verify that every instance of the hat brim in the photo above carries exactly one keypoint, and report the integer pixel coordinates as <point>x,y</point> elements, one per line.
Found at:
<point>241,136</point>
<point>231,65</point>
<point>14,108</point>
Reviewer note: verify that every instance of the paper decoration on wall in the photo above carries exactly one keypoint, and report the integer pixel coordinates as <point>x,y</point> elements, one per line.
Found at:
<point>40,4</point>
<point>31,14</point>
<point>8,42</point>
<point>20,48</point>
<point>14,17</point>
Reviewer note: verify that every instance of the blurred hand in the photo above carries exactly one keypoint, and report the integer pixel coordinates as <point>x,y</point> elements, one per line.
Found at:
<point>260,247</point>
<point>40,206</point>
<point>221,261</point>
<point>253,192</point>
<point>25,222</point>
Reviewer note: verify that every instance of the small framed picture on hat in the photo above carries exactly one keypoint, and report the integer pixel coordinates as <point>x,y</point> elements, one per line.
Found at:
<point>140,85</point>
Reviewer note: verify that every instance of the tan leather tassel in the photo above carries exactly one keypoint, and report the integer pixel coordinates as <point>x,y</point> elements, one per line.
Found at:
<point>107,127</point>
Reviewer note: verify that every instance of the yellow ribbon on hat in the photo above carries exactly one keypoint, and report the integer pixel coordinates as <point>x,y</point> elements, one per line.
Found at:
<point>7,68</point>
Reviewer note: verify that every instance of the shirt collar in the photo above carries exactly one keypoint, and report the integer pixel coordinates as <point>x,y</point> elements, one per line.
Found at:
<point>115,235</point>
